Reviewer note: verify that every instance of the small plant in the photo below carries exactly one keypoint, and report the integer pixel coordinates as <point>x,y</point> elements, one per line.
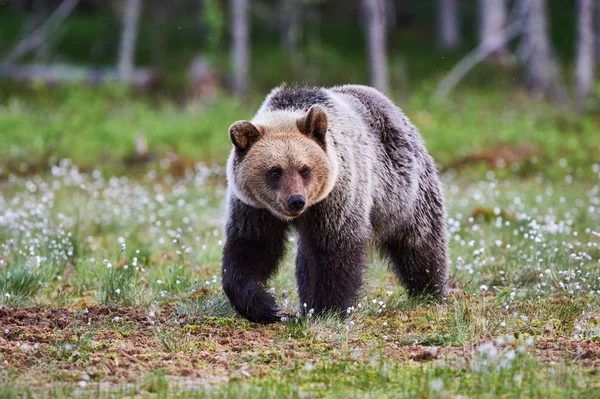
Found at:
<point>175,341</point>
<point>155,382</point>
<point>117,284</point>
<point>205,305</point>
<point>178,279</point>
<point>296,327</point>
<point>75,348</point>
<point>19,281</point>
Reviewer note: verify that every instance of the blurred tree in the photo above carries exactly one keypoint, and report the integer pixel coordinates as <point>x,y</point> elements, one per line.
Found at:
<point>584,62</point>
<point>596,23</point>
<point>40,11</point>
<point>540,63</point>
<point>376,43</point>
<point>131,16</point>
<point>290,17</point>
<point>449,37</point>
<point>159,12</point>
<point>239,26</point>
<point>492,22</point>
<point>485,48</point>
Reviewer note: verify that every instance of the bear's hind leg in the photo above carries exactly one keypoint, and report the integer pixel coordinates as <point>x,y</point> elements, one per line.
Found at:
<point>420,262</point>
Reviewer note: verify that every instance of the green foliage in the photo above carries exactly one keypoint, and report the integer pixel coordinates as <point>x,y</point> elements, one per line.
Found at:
<point>213,19</point>
<point>117,286</point>
<point>20,280</point>
<point>477,126</point>
<point>172,341</point>
<point>173,278</point>
<point>97,127</point>
<point>205,305</point>
<point>156,383</point>
<point>479,123</point>
<point>93,127</point>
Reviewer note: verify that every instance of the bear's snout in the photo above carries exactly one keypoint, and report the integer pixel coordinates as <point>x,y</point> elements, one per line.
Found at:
<point>296,203</point>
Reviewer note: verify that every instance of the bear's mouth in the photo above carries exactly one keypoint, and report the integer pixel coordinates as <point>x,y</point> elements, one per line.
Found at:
<point>292,214</point>
<point>285,213</point>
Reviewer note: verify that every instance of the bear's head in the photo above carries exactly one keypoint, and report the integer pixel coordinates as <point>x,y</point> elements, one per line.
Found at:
<point>282,161</point>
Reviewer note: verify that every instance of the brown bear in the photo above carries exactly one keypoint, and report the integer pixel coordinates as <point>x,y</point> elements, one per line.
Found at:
<point>345,169</point>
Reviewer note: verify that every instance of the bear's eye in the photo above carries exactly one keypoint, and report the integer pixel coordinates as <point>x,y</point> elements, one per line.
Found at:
<point>275,173</point>
<point>305,171</point>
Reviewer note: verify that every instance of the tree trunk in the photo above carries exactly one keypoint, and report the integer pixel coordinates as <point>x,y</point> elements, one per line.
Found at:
<point>289,19</point>
<point>448,30</point>
<point>596,23</point>
<point>477,55</point>
<point>131,16</point>
<point>57,74</point>
<point>540,63</point>
<point>239,45</point>
<point>376,43</point>
<point>492,23</point>
<point>160,23</point>
<point>40,13</point>
<point>584,63</point>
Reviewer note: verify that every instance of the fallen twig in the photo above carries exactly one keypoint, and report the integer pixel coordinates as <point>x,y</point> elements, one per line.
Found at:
<point>480,53</point>
<point>38,36</point>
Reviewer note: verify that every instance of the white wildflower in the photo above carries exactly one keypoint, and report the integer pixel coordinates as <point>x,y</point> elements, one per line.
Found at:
<point>436,385</point>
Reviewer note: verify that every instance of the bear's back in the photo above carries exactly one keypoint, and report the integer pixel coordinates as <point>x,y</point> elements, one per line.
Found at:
<point>383,118</point>
<point>296,98</point>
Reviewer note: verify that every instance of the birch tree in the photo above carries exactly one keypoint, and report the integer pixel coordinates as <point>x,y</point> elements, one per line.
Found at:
<point>492,22</point>
<point>584,62</point>
<point>239,50</point>
<point>540,63</point>
<point>290,24</point>
<point>447,24</point>
<point>131,16</point>
<point>376,43</point>
<point>596,23</point>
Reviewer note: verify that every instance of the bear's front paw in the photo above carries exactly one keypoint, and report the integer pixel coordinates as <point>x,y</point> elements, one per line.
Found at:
<point>254,303</point>
<point>263,313</point>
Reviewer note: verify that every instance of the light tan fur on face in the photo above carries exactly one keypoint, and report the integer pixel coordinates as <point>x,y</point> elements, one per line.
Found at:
<point>282,146</point>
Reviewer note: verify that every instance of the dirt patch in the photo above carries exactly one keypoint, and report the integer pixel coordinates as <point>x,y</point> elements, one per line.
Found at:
<point>586,353</point>
<point>116,345</point>
<point>495,157</point>
<point>489,214</point>
<point>420,353</point>
<point>46,320</point>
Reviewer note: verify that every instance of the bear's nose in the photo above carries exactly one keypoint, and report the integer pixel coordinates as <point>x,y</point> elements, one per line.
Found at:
<point>296,202</point>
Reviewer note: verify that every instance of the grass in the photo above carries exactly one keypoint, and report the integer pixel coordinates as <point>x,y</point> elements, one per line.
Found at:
<point>521,318</point>
<point>20,279</point>
<point>480,130</point>
<point>104,130</point>
<point>523,237</point>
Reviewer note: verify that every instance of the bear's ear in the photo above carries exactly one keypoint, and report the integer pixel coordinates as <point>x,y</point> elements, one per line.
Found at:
<point>244,134</point>
<point>314,124</point>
